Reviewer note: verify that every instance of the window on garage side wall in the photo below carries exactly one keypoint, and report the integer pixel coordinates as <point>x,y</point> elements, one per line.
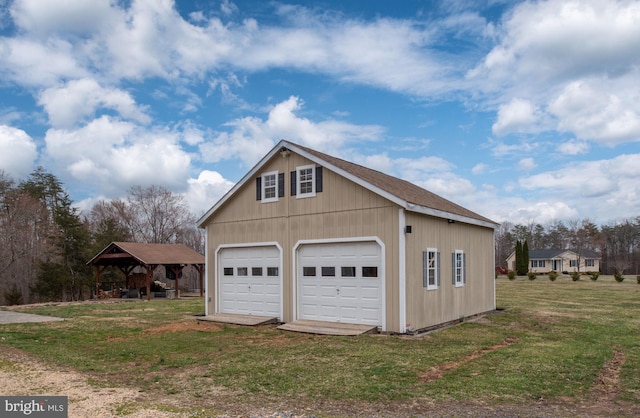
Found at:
<point>458,258</point>
<point>431,268</point>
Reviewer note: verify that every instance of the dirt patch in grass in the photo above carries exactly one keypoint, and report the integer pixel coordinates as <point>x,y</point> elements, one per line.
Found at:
<point>607,384</point>
<point>185,326</point>
<point>437,372</point>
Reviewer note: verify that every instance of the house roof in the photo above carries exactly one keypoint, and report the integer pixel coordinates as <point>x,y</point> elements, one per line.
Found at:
<point>548,254</point>
<point>127,253</point>
<point>402,192</point>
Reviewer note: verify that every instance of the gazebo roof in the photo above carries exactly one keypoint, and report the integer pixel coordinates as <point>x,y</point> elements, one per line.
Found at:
<point>135,253</point>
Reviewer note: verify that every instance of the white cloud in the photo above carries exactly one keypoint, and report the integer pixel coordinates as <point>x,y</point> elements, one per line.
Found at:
<point>541,212</point>
<point>479,168</point>
<point>592,112</point>
<point>203,192</point>
<point>527,164</point>
<point>113,155</point>
<point>18,152</point>
<point>40,64</point>
<point>74,16</point>
<point>604,188</point>
<point>78,99</point>
<point>571,64</point>
<point>519,116</point>
<point>251,137</point>
<point>573,147</point>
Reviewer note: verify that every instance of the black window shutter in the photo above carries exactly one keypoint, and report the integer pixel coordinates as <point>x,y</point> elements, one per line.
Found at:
<point>293,183</point>
<point>438,269</point>
<point>453,268</point>
<point>464,268</point>
<point>425,269</point>
<point>280,184</point>
<point>318,179</point>
<point>258,188</point>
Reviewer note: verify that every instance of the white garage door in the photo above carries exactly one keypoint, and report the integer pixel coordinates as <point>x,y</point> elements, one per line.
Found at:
<point>250,281</point>
<point>341,282</point>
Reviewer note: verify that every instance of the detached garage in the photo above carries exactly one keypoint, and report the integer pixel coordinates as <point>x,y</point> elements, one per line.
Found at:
<point>305,236</point>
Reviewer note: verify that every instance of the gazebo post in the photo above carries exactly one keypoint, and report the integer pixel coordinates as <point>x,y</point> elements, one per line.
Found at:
<point>98,274</point>
<point>149,271</point>
<point>200,269</point>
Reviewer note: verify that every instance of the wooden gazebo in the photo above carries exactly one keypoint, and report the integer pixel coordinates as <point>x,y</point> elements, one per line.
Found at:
<point>126,256</point>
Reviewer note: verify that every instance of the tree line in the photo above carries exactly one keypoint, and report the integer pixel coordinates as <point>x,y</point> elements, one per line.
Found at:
<point>618,243</point>
<point>45,242</point>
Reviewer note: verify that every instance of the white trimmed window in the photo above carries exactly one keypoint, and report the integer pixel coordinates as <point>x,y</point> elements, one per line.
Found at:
<point>458,268</point>
<point>270,187</point>
<point>589,262</point>
<point>306,182</point>
<point>431,268</point>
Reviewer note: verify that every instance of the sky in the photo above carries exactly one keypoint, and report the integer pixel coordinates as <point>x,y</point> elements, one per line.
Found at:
<point>526,112</point>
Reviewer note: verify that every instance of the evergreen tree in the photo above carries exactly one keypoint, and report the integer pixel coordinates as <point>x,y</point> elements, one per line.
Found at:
<point>64,276</point>
<point>525,257</point>
<point>518,257</point>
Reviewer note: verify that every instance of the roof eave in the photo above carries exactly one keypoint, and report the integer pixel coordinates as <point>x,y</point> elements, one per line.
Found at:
<point>450,216</point>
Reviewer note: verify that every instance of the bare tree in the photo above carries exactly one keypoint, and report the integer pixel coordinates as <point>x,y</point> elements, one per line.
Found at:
<point>148,214</point>
<point>158,215</point>
<point>27,236</point>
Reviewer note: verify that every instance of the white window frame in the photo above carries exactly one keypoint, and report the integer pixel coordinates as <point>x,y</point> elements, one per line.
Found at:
<point>431,255</point>
<point>589,262</point>
<point>299,181</point>
<point>458,268</point>
<point>266,199</point>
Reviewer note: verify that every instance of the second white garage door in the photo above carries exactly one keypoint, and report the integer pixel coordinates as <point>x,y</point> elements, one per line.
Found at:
<point>250,281</point>
<point>341,282</point>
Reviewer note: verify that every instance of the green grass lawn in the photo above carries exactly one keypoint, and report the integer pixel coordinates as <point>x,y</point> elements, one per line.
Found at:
<point>550,341</point>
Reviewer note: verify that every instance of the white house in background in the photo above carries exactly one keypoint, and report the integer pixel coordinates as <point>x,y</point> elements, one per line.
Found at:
<point>544,261</point>
<point>307,236</point>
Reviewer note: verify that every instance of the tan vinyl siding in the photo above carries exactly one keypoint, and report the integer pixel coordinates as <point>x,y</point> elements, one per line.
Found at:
<point>343,210</point>
<point>426,308</point>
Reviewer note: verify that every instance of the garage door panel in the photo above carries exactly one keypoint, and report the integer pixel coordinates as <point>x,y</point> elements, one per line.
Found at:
<point>339,276</point>
<point>245,287</point>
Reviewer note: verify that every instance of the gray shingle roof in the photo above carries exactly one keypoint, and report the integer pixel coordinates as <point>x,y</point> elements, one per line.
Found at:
<point>548,254</point>
<point>402,189</point>
<point>402,192</point>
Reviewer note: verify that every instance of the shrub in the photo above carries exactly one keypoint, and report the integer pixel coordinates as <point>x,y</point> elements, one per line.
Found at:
<point>575,276</point>
<point>638,278</point>
<point>553,276</point>
<point>594,275</point>
<point>618,276</point>
<point>531,275</point>
<point>13,296</point>
<point>511,274</point>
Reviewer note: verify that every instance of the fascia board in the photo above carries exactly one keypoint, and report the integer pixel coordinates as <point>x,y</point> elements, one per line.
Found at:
<point>446,215</point>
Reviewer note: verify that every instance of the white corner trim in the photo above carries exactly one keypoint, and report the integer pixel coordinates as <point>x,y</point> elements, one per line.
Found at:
<point>206,271</point>
<point>402,271</point>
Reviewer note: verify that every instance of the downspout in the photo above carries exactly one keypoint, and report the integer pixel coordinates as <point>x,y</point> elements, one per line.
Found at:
<point>402,271</point>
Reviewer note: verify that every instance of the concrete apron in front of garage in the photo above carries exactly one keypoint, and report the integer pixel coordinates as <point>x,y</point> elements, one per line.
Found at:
<point>309,327</point>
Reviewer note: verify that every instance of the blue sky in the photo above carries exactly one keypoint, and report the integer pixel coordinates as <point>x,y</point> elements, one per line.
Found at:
<point>521,111</point>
